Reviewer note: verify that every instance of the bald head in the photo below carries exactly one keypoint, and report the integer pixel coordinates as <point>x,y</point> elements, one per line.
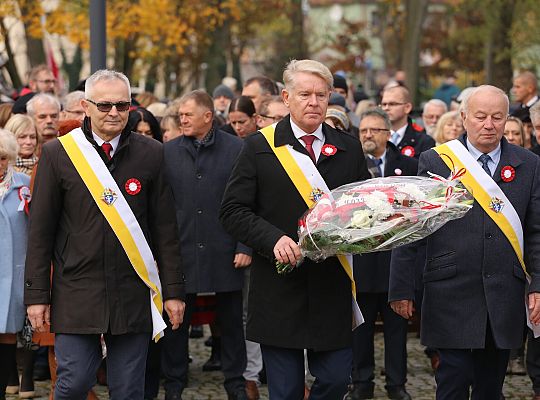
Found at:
<point>525,87</point>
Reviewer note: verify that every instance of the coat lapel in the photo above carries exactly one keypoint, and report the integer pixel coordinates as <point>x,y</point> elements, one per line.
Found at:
<point>284,135</point>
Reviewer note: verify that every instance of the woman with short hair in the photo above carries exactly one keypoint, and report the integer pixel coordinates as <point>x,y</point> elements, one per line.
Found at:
<point>24,129</point>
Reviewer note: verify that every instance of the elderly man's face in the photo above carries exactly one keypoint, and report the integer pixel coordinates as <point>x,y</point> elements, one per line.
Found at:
<point>107,124</point>
<point>307,101</point>
<point>74,111</point>
<point>485,118</point>
<point>45,82</point>
<point>46,118</point>
<point>432,113</point>
<point>374,135</point>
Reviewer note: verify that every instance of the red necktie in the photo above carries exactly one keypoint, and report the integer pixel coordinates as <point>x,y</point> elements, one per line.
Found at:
<point>107,148</point>
<point>308,140</point>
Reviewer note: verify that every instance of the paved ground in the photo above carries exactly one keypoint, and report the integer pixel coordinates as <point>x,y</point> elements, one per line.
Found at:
<point>208,385</point>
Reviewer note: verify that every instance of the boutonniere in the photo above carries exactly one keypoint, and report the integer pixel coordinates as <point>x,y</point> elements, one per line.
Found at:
<point>329,150</point>
<point>508,173</point>
<point>24,196</point>
<point>408,151</point>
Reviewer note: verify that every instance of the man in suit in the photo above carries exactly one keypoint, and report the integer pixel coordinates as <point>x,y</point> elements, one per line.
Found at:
<point>372,272</point>
<point>95,288</point>
<point>474,286</point>
<point>311,307</point>
<point>409,137</point>
<point>198,165</point>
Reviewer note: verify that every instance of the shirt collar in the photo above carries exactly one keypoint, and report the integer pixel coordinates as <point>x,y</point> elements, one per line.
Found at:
<point>532,101</point>
<point>114,142</point>
<point>401,132</point>
<point>495,154</point>
<point>298,133</point>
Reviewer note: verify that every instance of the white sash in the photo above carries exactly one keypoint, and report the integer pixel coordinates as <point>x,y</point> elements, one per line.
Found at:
<point>120,217</point>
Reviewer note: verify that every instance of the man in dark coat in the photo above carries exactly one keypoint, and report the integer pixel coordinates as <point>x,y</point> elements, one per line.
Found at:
<point>198,165</point>
<point>372,272</point>
<point>410,138</point>
<point>95,287</point>
<point>474,286</point>
<point>310,308</point>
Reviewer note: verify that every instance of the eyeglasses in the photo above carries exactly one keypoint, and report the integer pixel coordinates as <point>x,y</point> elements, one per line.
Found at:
<point>374,131</point>
<point>48,81</point>
<point>391,104</point>
<point>276,118</point>
<point>107,106</point>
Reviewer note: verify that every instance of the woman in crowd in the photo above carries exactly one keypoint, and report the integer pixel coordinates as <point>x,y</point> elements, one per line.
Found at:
<point>14,189</point>
<point>24,129</point>
<point>5,113</point>
<point>143,122</point>
<point>170,127</point>
<point>514,131</point>
<point>448,127</point>
<point>242,116</point>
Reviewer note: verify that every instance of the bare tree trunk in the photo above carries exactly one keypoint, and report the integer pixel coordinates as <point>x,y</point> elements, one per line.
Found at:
<point>10,65</point>
<point>501,75</point>
<point>415,14</point>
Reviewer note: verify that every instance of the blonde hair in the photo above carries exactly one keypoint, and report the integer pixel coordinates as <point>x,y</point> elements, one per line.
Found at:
<point>307,66</point>
<point>8,145</point>
<point>520,127</point>
<point>439,128</point>
<point>19,123</point>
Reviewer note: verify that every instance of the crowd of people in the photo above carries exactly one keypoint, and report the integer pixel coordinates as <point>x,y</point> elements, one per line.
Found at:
<point>127,222</point>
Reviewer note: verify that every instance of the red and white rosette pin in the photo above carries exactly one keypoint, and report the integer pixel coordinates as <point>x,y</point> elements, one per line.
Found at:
<point>24,196</point>
<point>508,173</point>
<point>408,151</point>
<point>329,150</point>
<point>133,186</point>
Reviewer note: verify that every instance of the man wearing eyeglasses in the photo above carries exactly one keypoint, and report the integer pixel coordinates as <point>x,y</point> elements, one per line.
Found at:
<point>272,110</point>
<point>372,273</point>
<point>40,80</point>
<point>409,138</point>
<point>102,213</point>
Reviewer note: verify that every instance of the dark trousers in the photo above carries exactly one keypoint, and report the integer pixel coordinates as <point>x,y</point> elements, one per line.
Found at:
<point>533,361</point>
<point>482,370</point>
<point>174,350</point>
<point>285,373</point>
<point>79,356</point>
<point>7,359</point>
<point>395,343</point>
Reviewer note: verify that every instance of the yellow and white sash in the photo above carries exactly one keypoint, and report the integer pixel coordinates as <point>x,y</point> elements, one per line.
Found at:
<point>116,210</point>
<point>305,177</point>
<point>491,198</point>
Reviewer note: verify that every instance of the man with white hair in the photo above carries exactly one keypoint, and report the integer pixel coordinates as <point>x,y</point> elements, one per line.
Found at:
<point>474,275</point>
<point>44,109</point>
<point>72,107</point>
<point>98,213</point>
<point>433,110</point>
<point>312,307</point>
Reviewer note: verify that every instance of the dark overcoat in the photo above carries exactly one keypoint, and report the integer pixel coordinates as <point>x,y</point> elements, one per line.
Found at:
<point>417,138</point>
<point>311,307</point>
<point>94,286</point>
<point>372,270</point>
<point>198,177</point>
<point>471,273</point>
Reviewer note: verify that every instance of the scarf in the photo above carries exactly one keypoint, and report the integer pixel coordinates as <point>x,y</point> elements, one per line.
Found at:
<point>25,165</point>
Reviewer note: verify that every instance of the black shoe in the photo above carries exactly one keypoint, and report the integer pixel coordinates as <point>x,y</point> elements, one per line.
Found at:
<point>240,394</point>
<point>398,393</point>
<point>196,332</point>
<point>359,393</point>
<point>213,364</point>
<point>173,396</point>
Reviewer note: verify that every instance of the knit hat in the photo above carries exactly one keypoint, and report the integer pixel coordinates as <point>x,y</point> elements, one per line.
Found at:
<point>340,82</point>
<point>222,90</point>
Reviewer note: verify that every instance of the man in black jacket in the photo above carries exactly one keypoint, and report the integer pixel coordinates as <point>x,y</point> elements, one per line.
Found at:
<point>99,213</point>
<point>310,308</point>
<point>372,272</point>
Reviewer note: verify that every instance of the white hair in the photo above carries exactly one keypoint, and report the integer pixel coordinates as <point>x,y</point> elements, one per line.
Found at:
<point>308,66</point>
<point>465,101</point>
<point>73,98</point>
<point>41,98</point>
<point>436,103</point>
<point>105,75</point>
